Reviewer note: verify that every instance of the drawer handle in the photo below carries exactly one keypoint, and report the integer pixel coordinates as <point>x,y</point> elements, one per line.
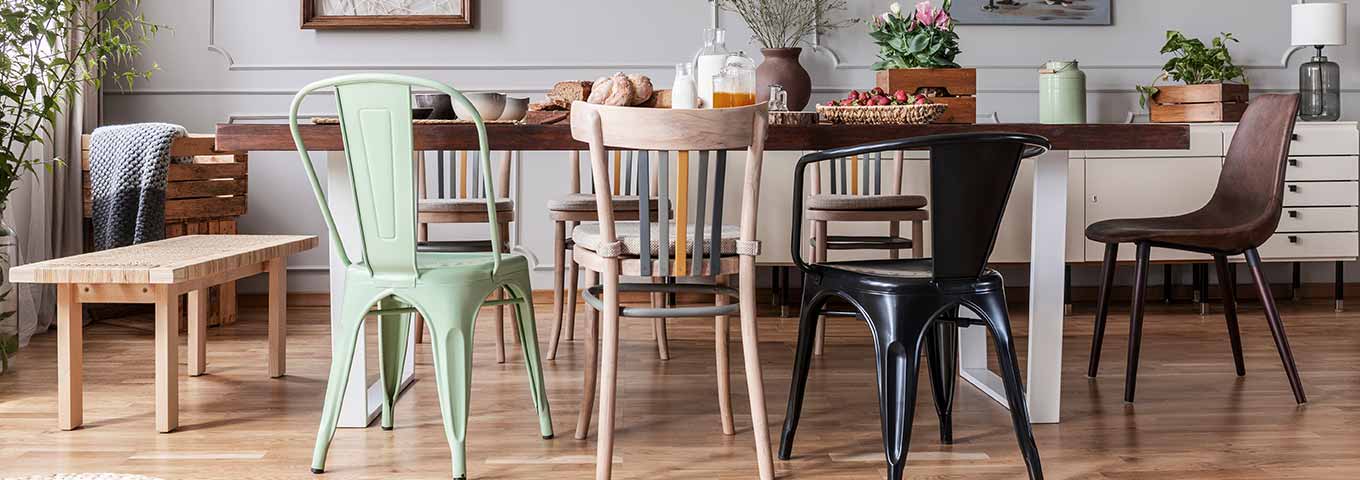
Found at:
<point>1293,239</point>
<point>1294,137</point>
<point>1293,214</point>
<point>1293,189</point>
<point>1293,162</point>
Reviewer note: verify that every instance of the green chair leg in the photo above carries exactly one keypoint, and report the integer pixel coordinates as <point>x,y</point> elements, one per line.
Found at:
<point>528,333</point>
<point>342,356</point>
<point>452,345</point>
<point>392,332</point>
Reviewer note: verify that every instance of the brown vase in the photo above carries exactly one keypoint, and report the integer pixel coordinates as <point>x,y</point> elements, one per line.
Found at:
<point>781,68</point>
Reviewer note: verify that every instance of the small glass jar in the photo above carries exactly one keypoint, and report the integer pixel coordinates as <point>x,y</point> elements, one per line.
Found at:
<point>735,85</point>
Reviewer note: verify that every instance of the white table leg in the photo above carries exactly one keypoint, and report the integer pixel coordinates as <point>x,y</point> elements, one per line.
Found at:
<point>1048,247</point>
<point>363,402</point>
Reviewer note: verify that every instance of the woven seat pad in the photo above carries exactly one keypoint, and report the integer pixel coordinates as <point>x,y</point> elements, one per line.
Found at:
<point>462,205</point>
<point>585,202</point>
<point>866,202</point>
<point>588,236</point>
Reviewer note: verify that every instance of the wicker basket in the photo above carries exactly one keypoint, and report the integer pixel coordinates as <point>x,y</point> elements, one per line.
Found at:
<point>882,115</point>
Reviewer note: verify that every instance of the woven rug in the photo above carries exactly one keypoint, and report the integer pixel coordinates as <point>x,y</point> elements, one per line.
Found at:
<point>83,476</point>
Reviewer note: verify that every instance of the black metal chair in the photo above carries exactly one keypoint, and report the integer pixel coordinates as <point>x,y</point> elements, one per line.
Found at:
<point>911,302</point>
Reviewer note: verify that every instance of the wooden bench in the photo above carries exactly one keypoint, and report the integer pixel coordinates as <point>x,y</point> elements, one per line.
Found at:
<point>158,273</point>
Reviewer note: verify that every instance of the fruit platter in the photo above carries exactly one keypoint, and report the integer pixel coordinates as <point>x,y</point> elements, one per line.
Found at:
<point>877,107</point>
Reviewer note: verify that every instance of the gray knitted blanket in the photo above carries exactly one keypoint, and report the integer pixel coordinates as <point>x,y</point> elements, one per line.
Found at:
<point>128,167</point>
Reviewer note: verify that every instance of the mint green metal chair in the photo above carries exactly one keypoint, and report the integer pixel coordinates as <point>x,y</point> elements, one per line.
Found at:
<point>447,289</point>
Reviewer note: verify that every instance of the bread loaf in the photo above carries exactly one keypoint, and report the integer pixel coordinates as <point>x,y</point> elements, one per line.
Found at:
<point>642,88</point>
<point>660,99</point>
<point>615,90</point>
<point>570,91</point>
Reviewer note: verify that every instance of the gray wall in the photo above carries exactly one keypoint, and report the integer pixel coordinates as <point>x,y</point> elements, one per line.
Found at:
<point>242,60</point>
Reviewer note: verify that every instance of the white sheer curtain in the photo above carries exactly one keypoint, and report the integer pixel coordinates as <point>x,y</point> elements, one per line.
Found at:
<point>45,209</point>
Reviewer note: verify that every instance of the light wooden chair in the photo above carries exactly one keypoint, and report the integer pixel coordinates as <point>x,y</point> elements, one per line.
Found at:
<point>571,210</point>
<point>853,192</point>
<point>459,197</point>
<point>666,249</point>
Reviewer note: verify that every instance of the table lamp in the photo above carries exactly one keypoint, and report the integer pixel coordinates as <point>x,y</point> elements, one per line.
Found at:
<point>1319,25</point>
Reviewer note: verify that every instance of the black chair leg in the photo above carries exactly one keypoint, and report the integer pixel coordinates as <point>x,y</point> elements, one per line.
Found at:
<point>1136,320</point>
<point>942,352</point>
<point>1103,305</point>
<point>1225,282</point>
<point>992,308</point>
<point>1276,326</point>
<point>802,363</point>
<point>898,363</point>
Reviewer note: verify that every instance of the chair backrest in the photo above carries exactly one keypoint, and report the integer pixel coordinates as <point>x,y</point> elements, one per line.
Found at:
<point>375,124</point>
<point>624,174</point>
<point>971,175</point>
<point>661,132</point>
<point>863,175</point>
<point>459,174</point>
<point>1250,191</point>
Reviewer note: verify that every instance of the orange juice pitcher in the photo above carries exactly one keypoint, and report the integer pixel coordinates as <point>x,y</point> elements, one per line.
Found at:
<point>735,84</point>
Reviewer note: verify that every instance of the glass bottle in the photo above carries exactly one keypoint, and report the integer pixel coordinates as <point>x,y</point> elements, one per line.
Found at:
<point>735,85</point>
<point>709,61</point>
<point>1320,88</point>
<point>684,93</point>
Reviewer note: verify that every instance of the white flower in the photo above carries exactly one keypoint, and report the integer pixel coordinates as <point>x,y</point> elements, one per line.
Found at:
<point>887,16</point>
<point>896,8</point>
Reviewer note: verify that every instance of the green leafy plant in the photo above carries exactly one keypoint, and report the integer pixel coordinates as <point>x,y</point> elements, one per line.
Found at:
<point>786,23</point>
<point>921,39</point>
<point>48,50</point>
<point>1195,63</point>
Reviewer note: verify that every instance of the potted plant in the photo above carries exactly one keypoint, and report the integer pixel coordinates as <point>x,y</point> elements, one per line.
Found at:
<point>916,53</point>
<point>1214,90</point>
<point>780,26</point>
<point>48,51</point>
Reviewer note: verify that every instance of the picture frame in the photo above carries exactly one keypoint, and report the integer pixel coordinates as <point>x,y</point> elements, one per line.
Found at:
<point>1033,12</point>
<point>315,15</point>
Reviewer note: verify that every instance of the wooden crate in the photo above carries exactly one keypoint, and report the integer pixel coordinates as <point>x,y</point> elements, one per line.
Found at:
<point>202,197</point>
<point>1218,102</point>
<point>959,85</point>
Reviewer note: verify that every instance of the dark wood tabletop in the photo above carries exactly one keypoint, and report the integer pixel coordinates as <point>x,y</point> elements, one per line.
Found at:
<point>557,137</point>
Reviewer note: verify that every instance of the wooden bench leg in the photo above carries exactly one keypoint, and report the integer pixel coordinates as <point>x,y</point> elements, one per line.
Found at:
<point>226,303</point>
<point>70,379</point>
<point>198,331</point>
<point>167,359</point>
<point>278,316</point>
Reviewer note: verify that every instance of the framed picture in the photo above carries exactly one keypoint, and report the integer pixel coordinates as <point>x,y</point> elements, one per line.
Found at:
<point>387,14</point>
<point>1032,12</point>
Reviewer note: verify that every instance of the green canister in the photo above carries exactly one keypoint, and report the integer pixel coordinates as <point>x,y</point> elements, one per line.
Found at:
<point>1062,93</point>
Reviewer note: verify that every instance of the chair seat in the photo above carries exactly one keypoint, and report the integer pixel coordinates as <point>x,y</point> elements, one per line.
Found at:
<point>585,202</point>
<point>456,267</point>
<point>866,202</point>
<point>903,275</point>
<point>462,205</point>
<point>629,234</point>
<point>1196,230</point>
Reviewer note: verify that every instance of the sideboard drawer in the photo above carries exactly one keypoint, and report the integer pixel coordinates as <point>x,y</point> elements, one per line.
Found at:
<point>1334,139</point>
<point>1319,219</point>
<point>1322,168</point>
<point>1321,194</point>
<point>1283,246</point>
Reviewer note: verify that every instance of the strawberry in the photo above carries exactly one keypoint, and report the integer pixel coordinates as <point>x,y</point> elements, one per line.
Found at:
<point>854,95</point>
<point>900,95</point>
<point>876,92</point>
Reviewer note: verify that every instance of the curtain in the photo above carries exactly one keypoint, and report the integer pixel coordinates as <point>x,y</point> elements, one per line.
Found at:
<point>45,209</point>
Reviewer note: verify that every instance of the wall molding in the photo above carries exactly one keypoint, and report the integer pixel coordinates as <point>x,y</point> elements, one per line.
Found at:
<point>533,91</point>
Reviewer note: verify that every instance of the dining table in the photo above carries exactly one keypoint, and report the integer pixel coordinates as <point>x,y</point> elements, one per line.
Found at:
<point>1048,241</point>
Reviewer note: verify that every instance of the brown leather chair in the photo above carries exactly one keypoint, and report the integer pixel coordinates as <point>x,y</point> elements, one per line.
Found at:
<point>1242,214</point>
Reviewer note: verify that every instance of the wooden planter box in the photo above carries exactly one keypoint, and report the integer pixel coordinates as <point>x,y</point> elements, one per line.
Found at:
<point>202,197</point>
<point>1217,102</point>
<point>959,85</point>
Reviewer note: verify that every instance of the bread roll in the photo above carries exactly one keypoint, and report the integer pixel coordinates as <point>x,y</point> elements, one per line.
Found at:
<point>642,88</point>
<point>614,90</point>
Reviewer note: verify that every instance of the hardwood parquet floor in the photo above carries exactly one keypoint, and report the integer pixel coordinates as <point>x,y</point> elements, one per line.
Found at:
<point>1193,419</point>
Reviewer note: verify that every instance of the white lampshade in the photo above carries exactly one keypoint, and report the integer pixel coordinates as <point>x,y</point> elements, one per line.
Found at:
<point>1318,24</point>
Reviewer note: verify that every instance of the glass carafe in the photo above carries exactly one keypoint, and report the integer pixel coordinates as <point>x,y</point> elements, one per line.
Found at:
<point>709,62</point>
<point>735,85</point>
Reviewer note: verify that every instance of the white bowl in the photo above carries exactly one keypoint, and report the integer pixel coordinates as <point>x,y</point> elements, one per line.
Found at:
<point>489,105</point>
<point>515,108</point>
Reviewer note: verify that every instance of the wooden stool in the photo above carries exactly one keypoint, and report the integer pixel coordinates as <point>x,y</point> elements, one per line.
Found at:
<point>159,272</point>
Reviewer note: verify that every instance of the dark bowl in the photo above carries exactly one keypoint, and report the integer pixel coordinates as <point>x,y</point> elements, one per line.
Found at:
<point>439,103</point>
<point>420,113</point>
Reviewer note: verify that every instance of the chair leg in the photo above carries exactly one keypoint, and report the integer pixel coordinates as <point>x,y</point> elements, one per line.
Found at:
<point>992,308</point>
<point>720,354</point>
<point>1230,311</point>
<point>573,272</point>
<point>559,296</point>
<point>592,364</point>
<point>897,360</point>
<point>819,232</point>
<point>1103,305</point>
<point>392,334</point>
<point>663,347</point>
<point>1136,320</point>
<point>1276,326</point>
<point>422,235</point>
<point>918,239</point>
<point>451,343</point>
<point>521,290</point>
<point>609,372</point>
<point>500,328</point>
<point>894,231</point>
<point>942,350</point>
<point>802,363</point>
<point>750,348</point>
<point>342,356</point>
